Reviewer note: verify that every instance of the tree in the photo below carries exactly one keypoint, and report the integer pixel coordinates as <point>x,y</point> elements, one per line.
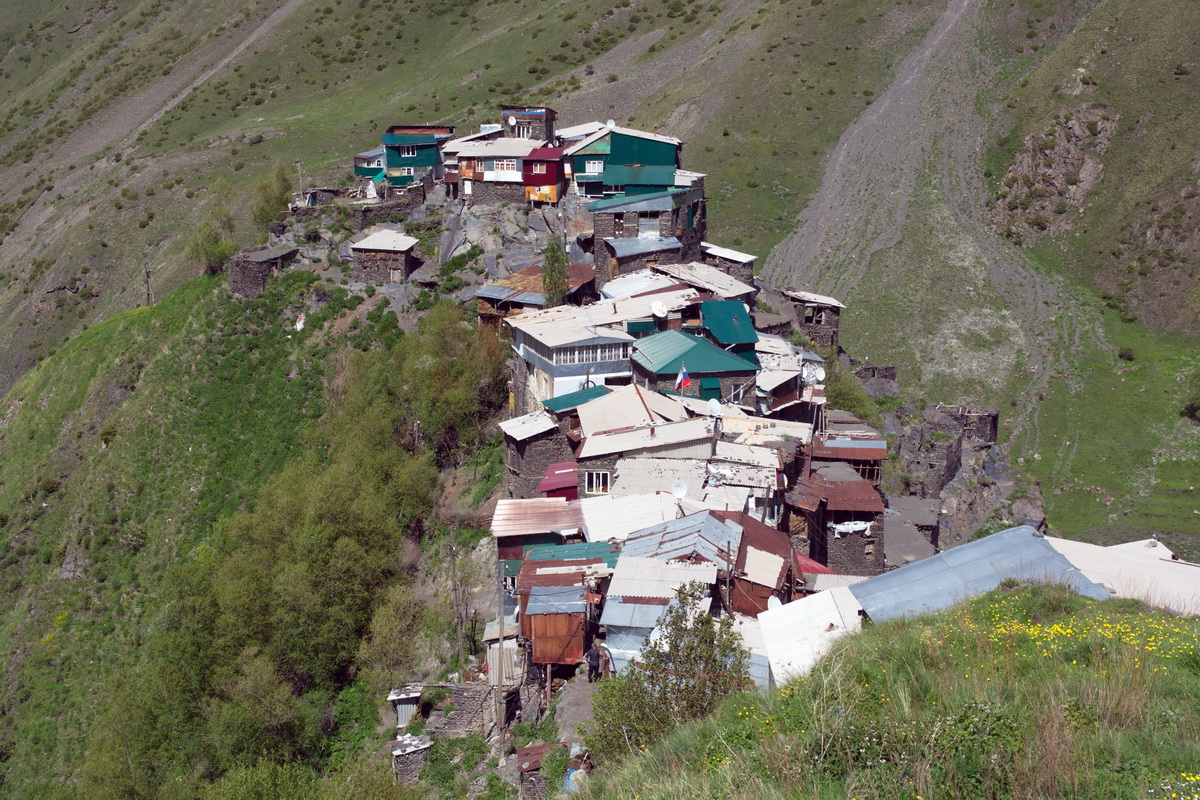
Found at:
<point>208,249</point>
<point>271,195</point>
<point>216,209</point>
<point>554,274</point>
<point>1191,397</point>
<point>694,661</point>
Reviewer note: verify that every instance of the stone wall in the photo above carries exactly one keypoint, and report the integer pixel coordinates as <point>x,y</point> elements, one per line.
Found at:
<point>408,765</point>
<point>728,382</point>
<point>823,333</point>
<point>484,192</point>
<point>382,267</point>
<point>864,371</point>
<point>526,462</point>
<point>741,271</point>
<point>248,277</point>
<point>932,451</point>
<point>606,463</point>
<point>854,553</point>
<point>396,208</point>
<point>980,425</point>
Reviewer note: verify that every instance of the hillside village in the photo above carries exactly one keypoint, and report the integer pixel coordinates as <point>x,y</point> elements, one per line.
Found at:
<point>669,423</point>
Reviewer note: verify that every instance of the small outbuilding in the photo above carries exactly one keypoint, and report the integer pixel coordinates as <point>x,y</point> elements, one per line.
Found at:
<point>385,256</point>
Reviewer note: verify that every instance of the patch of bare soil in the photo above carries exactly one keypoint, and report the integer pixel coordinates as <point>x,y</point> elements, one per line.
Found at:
<point>357,315</point>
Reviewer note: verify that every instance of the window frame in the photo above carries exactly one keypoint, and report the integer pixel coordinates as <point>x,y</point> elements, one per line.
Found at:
<point>509,165</point>
<point>408,151</point>
<point>590,166</point>
<point>539,168</point>
<point>597,482</point>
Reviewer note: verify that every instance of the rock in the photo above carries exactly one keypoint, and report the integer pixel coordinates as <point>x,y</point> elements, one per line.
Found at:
<point>881,387</point>
<point>489,263</point>
<point>509,229</point>
<point>537,222</point>
<point>550,217</point>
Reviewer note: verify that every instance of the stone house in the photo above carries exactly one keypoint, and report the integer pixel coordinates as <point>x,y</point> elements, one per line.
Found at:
<point>836,513</point>
<point>633,232</point>
<point>386,256</point>
<point>532,443</point>
<point>250,268</point>
<point>817,316</point>
<point>713,372</point>
<point>731,262</point>
<point>492,171</point>
<point>528,122</point>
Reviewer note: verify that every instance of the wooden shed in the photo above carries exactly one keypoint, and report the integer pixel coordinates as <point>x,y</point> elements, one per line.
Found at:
<point>560,623</point>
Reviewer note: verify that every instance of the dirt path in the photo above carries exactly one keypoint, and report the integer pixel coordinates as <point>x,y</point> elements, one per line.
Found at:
<point>924,125</point>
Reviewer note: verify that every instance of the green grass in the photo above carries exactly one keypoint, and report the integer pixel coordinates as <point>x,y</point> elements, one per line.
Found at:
<point>1027,692</point>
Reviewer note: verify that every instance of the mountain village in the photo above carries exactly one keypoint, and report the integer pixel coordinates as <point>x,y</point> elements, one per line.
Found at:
<point>669,424</point>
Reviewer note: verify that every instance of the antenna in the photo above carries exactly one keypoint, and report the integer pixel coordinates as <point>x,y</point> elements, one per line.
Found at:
<point>679,489</point>
<point>819,374</point>
<point>714,407</point>
<point>612,123</point>
<point>774,602</point>
<point>658,308</point>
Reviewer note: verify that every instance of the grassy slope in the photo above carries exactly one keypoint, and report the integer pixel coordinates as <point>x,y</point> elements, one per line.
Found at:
<point>1116,459</point>
<point>154,424</point>
<point>1032,692</point>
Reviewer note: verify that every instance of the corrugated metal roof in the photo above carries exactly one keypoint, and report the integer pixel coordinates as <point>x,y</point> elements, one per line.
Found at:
<point>504,147</point>
<point>648,475</point>
<point>1143,570</point>
<point>389,241</point>
<point>559,572</point>
<point>565,325</point>
<point>769,379</point>
<point>579,131</point>
<point>559,476</point>
<point>855,449</point>
<point>709,248</point>
<point>623,248</point>
<point>376,153</point>
<point>546,154</point>
<point>635,283</point>
<point>633,612</point>
<point>576,550</point>
<point>535,515</point>
<point>710,279</point>
<point>556,600</point>
<point>822,581</point>
<point>566,402</point>
<point>631,441</point>
<point>728,321</point>
<point>528,425</point>
<point>627,407</point>
<point>968,570</point>
<point>799,633</point>
<point>701,535</point>
<point>809,297</point>
<point>665,353</point>
<point>650,577</point>
<point>614,518</point>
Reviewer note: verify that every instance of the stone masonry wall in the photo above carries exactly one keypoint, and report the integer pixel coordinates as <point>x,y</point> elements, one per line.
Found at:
<point>855,553</point>
<point>483,192</point>
<point>728,382</point>
<point>526,461</point>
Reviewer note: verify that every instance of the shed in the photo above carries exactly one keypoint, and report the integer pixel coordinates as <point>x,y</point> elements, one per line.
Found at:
<point>560,622</point>
<point>406,701</point>
<point>385,256</point>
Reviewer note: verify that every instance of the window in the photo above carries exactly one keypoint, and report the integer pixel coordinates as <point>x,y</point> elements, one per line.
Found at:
<point>591,353</point>
<point>594,167</point>
<point>539,169</point>
<point>408,150</point>
<point>596,482</point>
<point>406,170</point>
<point>505,165</point>
<point>523,130</point>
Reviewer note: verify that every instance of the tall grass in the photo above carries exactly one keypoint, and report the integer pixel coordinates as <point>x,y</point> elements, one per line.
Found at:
<point>1027,693</point>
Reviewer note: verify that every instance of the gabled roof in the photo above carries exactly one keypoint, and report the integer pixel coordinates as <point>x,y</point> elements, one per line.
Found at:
<point>969,570</point>
<point>623,248</point>
<point>566,325</point>
<point>667,352</point>
<point>376,153</point>
<point>665,200</point>
<point>650,577</point>
<point>710,279</point>
<point>504,147</point>
<point>583,130</point>
<point>545,154</point>
<point>1145,570</point>
<point>605,130</point>
<point>525,285</point>
<point>390,241</point>
<point>571,400</point>
<point>649,437</point>
<point>627,407</point>
<point>636,283</point>
<point>728,321</point>
<point>535,515</point>
<point>562,475</point>
<point>704,536</point>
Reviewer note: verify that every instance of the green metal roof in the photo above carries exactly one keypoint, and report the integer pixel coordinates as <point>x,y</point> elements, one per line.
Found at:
<point>620,200</point>
<point>408,138</point>
<point>665,353</point>
<point>728,321</point>
<point>565,402</point>
<point>650,174</point>
<point>575,551</point>
<point>640,326</point>
<point>512,567</point>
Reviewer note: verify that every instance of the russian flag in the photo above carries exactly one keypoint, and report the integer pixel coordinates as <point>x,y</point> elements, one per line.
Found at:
<point>682,381</point>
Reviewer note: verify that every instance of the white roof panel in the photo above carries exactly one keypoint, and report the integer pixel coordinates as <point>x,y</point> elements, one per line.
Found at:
<point>578,131</point>
<point>709,248</point>
<point>1142,570</point>
<point>645,438</point>
<point>820,581</point>
<point>528,425</point>
<point>643,475</point>
<point>626,407</point>
<point>799,633</point>
<point>809,297</point>
<point>565,325</point>
<point>706,277</point>
<point>639,282</point>
<point>504,147</point>
<point>611,517</point>
<point>650,577</point>
<point>762,567</point>
<point>393,241</point>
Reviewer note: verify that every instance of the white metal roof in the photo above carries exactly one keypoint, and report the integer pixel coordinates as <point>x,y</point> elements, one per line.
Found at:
<point>528,425</point>
<point>799,633</point>
<point>504,147</point>
<point>454,145</point>
<point>1143,570</point>
<point>650,577</point>
<point>706,277</point>
<point>724,252</point>
<point>820,581</point>
<point>809,297</point>
<point>762,567</point>
<point>577,131</point>
<point>639,282</point>
<point>392,241</point>
<point>764,430</point>
<point>768,379</point>
<point>686,178</point>
<point>650,436</point>
<point>700,407</point>
<point>626,407</point>
<point>728,498</point>
<point>641,475</point>
<point>566,325</point>
<point>608,517</point>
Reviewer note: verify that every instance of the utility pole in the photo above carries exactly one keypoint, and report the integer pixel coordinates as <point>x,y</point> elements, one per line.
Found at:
<point>149,288</point>
<point>500,649</point>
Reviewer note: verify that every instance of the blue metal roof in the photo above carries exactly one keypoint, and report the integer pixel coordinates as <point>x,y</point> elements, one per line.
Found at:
<point>701,533</point>
<point>620,612</point>
<point>969,570</point>
<point>637,247</point>
<point>556,600</point>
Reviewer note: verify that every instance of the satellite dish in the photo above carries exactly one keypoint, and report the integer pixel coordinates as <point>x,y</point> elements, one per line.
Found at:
<point>774,602</point>
<point>819,374</point>
<point>679,489</point>
<point>747,307</point>
<point>612,123</point>
<point>714,407</point>
<point>658,308</point>
<point>512,121</point>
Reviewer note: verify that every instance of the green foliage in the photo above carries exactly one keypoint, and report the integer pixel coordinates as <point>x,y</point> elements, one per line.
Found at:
<point>555,276</point>
<point>682,675</point>
<point>448,758</point>
<point>1191,397</point>
<point>554,767</point>
<point>208,250</point>
<point>271,196</point>
<point>844,391</point>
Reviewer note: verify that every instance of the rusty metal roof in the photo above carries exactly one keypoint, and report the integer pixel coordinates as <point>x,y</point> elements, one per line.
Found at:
<point>703,535</point>
<point>559,572</point>
<point>535,515</point>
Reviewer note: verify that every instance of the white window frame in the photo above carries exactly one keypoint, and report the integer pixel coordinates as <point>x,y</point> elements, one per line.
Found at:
<point>504,165</point>
<point>406,171</point>
<point>598,481</point>
<point>408,150</point>
<point>594,167</point>
<point>539,169</point>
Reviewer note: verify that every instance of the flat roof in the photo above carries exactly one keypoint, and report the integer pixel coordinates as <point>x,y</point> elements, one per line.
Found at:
<point>391,241</point>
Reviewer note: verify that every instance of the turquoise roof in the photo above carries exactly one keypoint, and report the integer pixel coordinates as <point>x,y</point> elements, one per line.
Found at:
<point>620,200</point>
<point>728,321</point>
<point>573,552</point>
<point>565,402</point>
<point>667,352</point>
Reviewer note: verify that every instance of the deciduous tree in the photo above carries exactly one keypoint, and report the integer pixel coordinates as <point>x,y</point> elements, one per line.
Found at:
<point>554,274</point>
